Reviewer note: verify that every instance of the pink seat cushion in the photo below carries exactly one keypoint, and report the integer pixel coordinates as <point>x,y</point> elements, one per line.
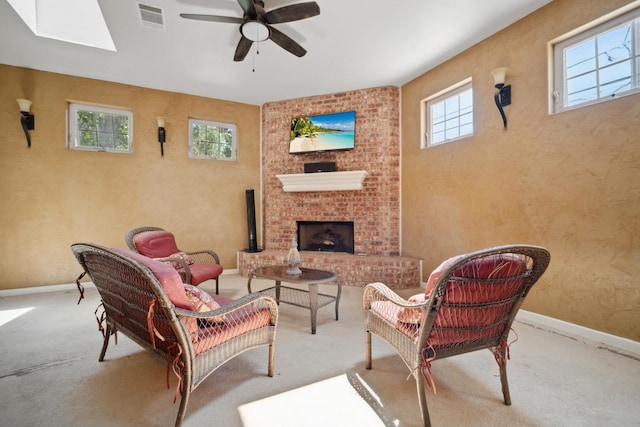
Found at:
<point>156,244</point>
<point>206,334</point>
<point>235,324</point>
<point>202,272</point>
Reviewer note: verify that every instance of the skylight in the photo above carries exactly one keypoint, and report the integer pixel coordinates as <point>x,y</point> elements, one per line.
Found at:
<point>73,21</point>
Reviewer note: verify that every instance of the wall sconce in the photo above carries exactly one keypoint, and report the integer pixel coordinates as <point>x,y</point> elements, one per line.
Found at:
<point>503,96</point>
<point>162,136</point>
<point>28,120</point>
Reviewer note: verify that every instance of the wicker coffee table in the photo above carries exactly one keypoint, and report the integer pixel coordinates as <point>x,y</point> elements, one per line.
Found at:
<point>310,298</point>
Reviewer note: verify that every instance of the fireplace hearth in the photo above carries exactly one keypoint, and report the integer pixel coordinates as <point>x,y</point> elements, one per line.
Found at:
<point>335,236</point>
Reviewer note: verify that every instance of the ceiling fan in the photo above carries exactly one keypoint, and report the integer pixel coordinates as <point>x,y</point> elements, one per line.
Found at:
<point>256,24</point>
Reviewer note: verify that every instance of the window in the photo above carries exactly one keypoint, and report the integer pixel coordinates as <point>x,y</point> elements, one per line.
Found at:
<point>448,116</point>
<point>100,129</point>
<point>597,63</point>
<point>211,140</point>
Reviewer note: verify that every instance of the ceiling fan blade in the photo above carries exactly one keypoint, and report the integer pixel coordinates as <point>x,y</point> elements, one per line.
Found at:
<point>243,48</point>
<point>293,12</point>
<point>286,43</point>
<point>212,18</point>
<point>248,7</point>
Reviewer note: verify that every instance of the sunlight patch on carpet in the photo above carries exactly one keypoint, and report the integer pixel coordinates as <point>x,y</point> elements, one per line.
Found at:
<point>342,401</point>
<point>7,316</point>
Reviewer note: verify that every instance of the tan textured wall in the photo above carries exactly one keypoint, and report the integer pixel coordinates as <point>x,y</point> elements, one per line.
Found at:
<point>569,181</point>
<point>53,197</point>
<point>375,210</point>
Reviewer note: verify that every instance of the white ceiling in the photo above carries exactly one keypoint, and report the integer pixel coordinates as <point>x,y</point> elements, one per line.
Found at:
<point>352,44</point>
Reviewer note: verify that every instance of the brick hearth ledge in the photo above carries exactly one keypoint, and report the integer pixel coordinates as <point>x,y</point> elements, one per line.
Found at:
<point>353,270</point>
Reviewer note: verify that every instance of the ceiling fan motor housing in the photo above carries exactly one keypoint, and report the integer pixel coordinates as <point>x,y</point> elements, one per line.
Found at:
<point>255,30</point>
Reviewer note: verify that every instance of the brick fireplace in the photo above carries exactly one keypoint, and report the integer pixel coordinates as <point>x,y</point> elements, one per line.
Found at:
<point>374,209</point>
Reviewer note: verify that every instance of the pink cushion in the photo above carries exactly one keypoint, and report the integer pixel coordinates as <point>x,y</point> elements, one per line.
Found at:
<point>202,301</point>
<point>181,255</point>
<point>156,244</point>
<point>202,272</point>
<point>493,267</point>
<point>497,266</point>
<point>212,332</point>
<point>166,275</point>
<point>435,274</point>
<point>235,324</point>
<point>221,300</point>
<point>414,315</point>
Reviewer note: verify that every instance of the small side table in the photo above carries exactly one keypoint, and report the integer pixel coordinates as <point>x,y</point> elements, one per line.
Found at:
<point>310,298</point>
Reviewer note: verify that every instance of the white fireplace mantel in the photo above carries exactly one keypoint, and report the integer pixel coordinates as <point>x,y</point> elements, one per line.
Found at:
<point>323,181</point>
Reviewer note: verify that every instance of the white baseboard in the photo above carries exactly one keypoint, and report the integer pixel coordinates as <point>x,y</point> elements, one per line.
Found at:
<point>42,289</point>
<point>588,336</point>
<point>64,287</point>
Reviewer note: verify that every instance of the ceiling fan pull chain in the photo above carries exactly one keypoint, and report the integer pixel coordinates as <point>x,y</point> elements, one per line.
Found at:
<point>256,51</point>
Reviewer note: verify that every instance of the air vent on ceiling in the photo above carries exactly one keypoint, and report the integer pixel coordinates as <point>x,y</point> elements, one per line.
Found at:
<point>151,16</point>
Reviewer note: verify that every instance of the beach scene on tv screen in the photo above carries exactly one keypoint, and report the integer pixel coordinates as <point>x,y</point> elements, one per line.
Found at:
<point>323,132</point>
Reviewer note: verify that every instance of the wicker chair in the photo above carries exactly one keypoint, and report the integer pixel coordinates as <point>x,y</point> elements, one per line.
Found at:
<point>194,267</point>
<point>469,304</point>
<point>146,301</point>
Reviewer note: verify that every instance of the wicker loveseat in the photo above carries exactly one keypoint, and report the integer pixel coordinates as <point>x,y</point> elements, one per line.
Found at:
<point>146,300</point>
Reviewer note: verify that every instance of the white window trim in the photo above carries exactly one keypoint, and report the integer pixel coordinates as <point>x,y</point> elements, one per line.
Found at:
<point>555,49</point>
<point>234,138</point>
<point>425,124</point>
<point>72,126</point>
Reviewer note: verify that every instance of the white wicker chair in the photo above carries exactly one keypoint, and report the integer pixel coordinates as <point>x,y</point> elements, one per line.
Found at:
<point>471,303</point>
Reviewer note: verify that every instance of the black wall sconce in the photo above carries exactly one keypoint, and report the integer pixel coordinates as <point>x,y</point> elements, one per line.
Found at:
<point>503,96</point>
<point>28,120</point>
<point>162,135</point>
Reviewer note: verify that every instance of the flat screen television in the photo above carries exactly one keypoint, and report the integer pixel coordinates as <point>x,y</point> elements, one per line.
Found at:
<point>323,132</point>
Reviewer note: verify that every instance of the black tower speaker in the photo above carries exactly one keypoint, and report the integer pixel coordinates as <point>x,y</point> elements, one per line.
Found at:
<point>251,222</point>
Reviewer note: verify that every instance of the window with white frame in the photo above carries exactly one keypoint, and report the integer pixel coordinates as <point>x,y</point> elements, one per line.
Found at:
<point>212,140</point>
<point>448,115</point>
<point>94,128</point>
<point>598,62</point>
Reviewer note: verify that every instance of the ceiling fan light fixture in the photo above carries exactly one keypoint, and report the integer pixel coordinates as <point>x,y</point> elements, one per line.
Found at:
<point>255,31</point>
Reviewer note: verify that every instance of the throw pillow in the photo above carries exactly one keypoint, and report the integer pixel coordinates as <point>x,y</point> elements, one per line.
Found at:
<point>413,315</point>
<point>181,255</point>
<point>202,302</point>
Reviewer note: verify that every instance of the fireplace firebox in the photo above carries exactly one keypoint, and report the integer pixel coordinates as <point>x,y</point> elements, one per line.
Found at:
<point>336,236</point>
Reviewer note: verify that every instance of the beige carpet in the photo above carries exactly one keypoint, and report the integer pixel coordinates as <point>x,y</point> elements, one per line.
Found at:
<point>50,374</point>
